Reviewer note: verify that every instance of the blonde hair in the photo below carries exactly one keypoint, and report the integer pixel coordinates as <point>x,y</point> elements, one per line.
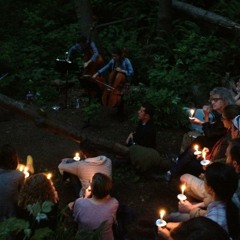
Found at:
<point>37,188</point>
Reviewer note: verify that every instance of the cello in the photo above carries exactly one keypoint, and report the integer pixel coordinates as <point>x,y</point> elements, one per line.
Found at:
<point>112,97</point>
<point>121,69</point>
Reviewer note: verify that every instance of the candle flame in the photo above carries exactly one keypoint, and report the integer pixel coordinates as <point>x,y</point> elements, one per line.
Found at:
<point>204,155</point>
<point>162,213</point>
<point>196,147</point>
<point>183,188</point>
<point>191,112</point>
<point>49,176</point>
<point>77,156</point>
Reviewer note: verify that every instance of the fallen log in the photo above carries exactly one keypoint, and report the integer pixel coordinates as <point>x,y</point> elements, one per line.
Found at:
<point>200,13</point>
<point>41,120</point>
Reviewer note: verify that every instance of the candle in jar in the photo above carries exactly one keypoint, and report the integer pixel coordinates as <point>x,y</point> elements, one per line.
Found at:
<point>76,157</point>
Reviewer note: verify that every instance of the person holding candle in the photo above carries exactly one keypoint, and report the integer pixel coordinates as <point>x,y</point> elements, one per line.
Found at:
<point>11,181</point>
<point>220,182</point>
<point>195,185</point>
<point>199,228</point>
<point>98,208</point>
<point>81,172</point>
<point>38,189</point>
<point>188,162</point>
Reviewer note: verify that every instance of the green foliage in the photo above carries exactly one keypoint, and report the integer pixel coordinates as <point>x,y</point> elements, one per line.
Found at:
<point>11,227</point>
<point>91,110</point>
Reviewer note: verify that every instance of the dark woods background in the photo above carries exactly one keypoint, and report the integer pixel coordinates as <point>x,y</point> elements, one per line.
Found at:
<point>177,58</point>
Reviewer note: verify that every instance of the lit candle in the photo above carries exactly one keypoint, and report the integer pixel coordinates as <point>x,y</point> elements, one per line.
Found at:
<point>181,196</point>
<point>26,173</point>
<point>76,158</point>
<point>49,176</point>
<point>160,222</point>
<point>196,152</point>
<point>191,113</point>
<point>204,162</point>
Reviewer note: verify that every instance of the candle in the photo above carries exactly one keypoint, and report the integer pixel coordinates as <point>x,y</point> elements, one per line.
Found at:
<point>160,222</point>
<point>204,162</point>
<point>26,173</point>
<point>49,176</point>
<point>191,113</point>
<point>76,158</point>
<point>196,152</point>
<point>181,196</point>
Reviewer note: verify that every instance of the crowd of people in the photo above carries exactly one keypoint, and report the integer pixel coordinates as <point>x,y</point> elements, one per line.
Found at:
<point>214,188</point>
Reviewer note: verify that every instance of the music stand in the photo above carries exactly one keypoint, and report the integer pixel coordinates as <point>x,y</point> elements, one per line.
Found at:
<point>63,66</point>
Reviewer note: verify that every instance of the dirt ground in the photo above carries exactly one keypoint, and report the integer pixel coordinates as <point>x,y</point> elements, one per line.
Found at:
<point>144,197</point>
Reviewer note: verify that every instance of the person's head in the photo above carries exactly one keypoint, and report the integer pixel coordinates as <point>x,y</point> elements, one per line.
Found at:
<point>117,54</point>
<point>8,157</point>
<point>82,40</point>
<point>233,154</point>
<point>146,112</point>
<point>229,113</point>
<point>220,97</point>
<point>221,181</point>
<point>101,185</point>
<point>235,127</point>
<point>199,228</point>
<point>37,188</point>
<point>88,150</point>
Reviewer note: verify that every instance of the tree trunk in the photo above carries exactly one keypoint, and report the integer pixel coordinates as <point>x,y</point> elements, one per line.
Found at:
<point>207,16</point>
<point>164,15</point>
<point>41,120</point>
<point>84,15</point>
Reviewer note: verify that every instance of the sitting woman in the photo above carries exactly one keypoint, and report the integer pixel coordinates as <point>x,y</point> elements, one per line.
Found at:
<point>38,189</point>
<point>11,181</point>
<point>99,209</point>
<point>221,182</point>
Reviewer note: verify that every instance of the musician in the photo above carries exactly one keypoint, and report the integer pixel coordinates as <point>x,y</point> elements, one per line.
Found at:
<point>84,45</point>
<point>118,63</point>
<point>120,69</point>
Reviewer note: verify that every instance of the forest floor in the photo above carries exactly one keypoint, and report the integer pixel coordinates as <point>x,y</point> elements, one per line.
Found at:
<point>144,196</point>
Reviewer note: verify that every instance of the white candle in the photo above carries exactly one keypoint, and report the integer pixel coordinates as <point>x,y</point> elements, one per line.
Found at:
<point>49,176</point>
<point>204,162</point>
<point>26,173</point>
<point>181,196</point>
<point>160,222</point>
<point>196,152</point>
<point>77,157</point>
<point>191,113</point>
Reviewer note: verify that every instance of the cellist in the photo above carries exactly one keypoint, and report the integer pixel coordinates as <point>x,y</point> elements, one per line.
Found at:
<point>92,61</point>
<point>120,69</point>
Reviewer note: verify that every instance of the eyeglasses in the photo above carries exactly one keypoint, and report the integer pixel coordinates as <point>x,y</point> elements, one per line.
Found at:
<point>215,99</point>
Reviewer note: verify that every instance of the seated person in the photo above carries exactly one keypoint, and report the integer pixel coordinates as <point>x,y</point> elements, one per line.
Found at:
<point>220,97</point>
<point>82,171</point>
<point>220,182</point>
<point>98,208</point>
<point>145,133</point>
<point>195,185</point>
<point>188,163</point>
<point>11,181</point>
<point>38,189</point>
<point>198,228</point>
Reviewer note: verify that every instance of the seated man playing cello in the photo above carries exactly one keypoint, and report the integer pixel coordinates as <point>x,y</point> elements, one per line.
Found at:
<point>121,68</point>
